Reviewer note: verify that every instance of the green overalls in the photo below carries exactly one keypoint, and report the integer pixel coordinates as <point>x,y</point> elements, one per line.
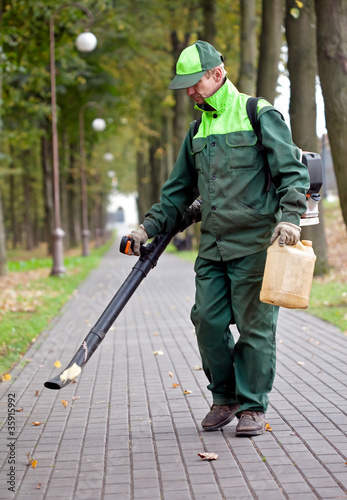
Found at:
<point>240,209</point>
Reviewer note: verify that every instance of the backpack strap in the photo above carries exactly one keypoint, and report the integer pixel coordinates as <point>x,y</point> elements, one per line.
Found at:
<point>251,108</point>
<point>197,125</point>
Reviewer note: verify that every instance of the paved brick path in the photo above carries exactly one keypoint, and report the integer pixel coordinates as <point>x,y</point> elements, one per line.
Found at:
<point>132,435</point>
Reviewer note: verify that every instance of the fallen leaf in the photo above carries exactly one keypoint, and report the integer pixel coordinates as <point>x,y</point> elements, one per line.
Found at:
<point>32,462</point>
<point>208,456</point>
<point>57,364</point>
<point>171,374</point>
<point>38,486</point>
<point>75,397</point>
<point>299,4</point>
<point>158,353</point>
<point>267,427</point>
<point>64,403</point>
<point>301,363</point>
<point>19,409</point>
<point>197,367</point>
<point>188,392</point>
<point>6,377</point>
<point>175,385</point>
<point>156,333</point>
<point>36,423</point>
<point>37,393</point>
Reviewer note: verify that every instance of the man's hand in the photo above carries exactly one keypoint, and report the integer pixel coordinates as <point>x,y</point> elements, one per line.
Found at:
<point>140,237</point>
<point>289,234</point>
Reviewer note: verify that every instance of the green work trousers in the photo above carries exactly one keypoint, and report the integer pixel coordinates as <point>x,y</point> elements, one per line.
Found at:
<point>228,293</point>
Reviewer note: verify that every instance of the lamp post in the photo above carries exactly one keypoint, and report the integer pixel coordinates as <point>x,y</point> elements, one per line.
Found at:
<point>85,42</point>
<point>98,124</point>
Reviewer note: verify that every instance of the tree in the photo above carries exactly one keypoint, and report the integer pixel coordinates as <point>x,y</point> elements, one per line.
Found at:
<point>332,65</point>
<point>209,21</point>
<point>271,40</point>
<point>302,66</point>
<point>247,76</point>
<point>3,266</point>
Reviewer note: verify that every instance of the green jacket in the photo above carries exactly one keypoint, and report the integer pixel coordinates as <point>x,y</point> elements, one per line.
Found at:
<point>223,165</point>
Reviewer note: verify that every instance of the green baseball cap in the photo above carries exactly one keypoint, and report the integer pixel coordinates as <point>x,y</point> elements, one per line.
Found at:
<point>193,63</point>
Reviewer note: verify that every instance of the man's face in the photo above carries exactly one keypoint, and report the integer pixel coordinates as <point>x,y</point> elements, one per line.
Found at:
<point>203,89</point>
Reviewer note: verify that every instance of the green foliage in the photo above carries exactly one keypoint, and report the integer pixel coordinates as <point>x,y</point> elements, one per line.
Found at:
<point>128,75</point>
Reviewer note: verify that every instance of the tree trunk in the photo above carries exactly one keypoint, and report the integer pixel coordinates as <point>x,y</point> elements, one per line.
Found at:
<point>154,162</point>
<point>73,201</point>
<point>247,77</point>
<point>13,213</point>
<point>169,150</point>
<point>208,12</point>
<point>27,207</point>
<point>3,265</point>
<point>66,215</point>
<point>270,48</point>
<point>302,66</point>
<point>181,98</point>
<point>47,190</point>
<point>332,65</point>
<point>143,182</point>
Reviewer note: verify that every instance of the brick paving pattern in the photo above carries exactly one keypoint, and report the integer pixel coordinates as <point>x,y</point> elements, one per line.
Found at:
<point>128,433</point>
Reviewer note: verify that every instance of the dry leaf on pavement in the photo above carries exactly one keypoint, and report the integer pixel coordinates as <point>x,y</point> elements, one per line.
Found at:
<point>64,403</point>
<point>208,456</point>
<point>32,462</point>
<point>57,364</point>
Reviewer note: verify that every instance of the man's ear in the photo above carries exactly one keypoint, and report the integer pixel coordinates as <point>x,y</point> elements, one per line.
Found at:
<point>218,74</point>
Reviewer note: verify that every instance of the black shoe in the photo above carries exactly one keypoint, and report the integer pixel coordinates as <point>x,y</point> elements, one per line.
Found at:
<point>218,416</point>
<point>251,423</point>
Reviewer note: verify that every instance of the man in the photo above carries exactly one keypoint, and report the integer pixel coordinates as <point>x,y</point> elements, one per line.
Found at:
<point>247,196</point>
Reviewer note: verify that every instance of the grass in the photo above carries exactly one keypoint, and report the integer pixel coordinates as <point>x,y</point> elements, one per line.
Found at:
<point>19,329</point>
<point>328,301</point>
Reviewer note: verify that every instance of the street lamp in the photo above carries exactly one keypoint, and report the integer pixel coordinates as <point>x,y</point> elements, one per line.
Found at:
<point>88,42</point>
<point>98,124</point>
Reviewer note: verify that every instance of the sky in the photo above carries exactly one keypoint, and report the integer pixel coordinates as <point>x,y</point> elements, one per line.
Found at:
<point>282,103</point>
